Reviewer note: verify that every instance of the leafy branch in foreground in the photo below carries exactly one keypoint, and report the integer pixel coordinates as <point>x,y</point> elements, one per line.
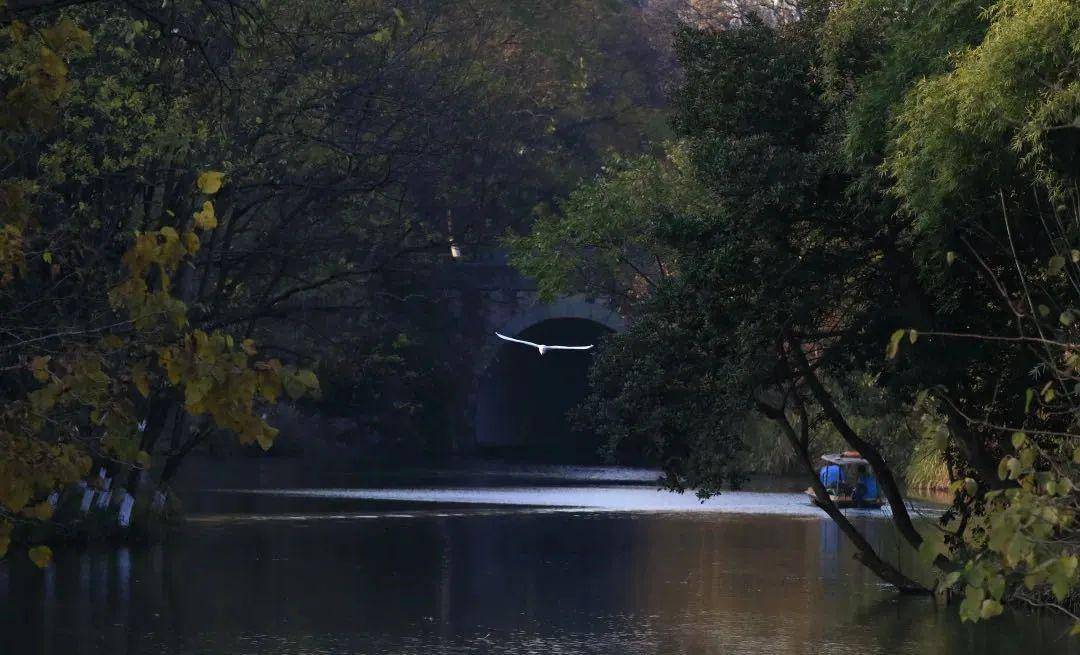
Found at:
<point>95,380</point>
<point>1018,538</point>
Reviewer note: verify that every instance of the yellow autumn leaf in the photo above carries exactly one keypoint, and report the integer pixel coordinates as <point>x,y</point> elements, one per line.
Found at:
<point>40,366</point>
<point>249,346</point>
<point>266,438</point>
<point>41,555</point>
<point>142,382</point>
<point>66,37</point>
<point>210,182</point>
<point>990,608</point>
<point>52,64</point>
<point>191,242</point>
<point>1055,265</point>
<point>269,385</point>
<point>293,386</point>
<point>894,343</point>
<point>42,511</point>
<point>18,31</point>
<point>308,379</point>
<point>206,219</point>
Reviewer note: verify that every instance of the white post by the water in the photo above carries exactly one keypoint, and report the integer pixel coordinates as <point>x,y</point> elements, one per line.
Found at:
<point>126,505</point>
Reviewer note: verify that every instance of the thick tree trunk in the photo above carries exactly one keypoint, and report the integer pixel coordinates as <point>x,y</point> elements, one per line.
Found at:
<point>974,453</point>
<point>866,555</point>
<point>866,449</point>
<point>156,421</point>
<point>172,463</point>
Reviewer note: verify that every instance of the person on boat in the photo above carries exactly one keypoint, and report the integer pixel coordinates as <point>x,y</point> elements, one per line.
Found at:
<point>831,475</point>
<point>866,488</point>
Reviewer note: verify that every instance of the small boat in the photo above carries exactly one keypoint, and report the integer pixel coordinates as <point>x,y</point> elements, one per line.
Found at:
<point>849,480</point>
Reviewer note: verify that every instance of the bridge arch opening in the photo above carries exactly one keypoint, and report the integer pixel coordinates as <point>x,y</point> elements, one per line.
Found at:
<point>524,397</point>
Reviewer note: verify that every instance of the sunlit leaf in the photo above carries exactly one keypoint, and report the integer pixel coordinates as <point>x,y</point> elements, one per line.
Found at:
<point>141,380</point>
<point>191,242</point>
<point>40,367</point>
<point>308,379</point>
<point>1057,263</point>
<point>43,511</point>
<point>210,182</point>
<point>205,219</point>
<point>41,556</point>
<point>990,608</point>
<point>266,438</point>
<point>894,343</point>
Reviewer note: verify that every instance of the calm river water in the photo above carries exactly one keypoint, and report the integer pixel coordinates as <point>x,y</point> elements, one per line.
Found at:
<point>547,561</point>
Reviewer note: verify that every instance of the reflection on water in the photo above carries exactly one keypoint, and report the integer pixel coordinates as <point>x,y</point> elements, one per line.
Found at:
<point>265,472</point>
<point>489,579</point>
<point>597,498</point>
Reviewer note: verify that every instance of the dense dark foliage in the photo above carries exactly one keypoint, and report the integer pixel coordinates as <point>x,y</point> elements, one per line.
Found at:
<point>208,207</point>
<point>869,169</point>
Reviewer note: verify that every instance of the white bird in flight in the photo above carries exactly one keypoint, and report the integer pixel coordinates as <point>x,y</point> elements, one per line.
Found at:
<point>541,347</point>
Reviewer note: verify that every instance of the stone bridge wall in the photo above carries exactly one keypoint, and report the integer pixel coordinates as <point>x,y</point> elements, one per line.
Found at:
<point>482,298</point>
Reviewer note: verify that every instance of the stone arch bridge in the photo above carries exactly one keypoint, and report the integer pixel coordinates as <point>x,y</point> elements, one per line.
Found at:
<point>513,398</point>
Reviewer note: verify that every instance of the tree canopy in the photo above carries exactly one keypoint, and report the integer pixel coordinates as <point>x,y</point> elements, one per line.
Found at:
<point>882,202</point>
<point>206,208</point>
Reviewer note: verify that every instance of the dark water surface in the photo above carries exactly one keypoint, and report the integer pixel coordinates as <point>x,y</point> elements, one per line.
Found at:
<point>597,564</point>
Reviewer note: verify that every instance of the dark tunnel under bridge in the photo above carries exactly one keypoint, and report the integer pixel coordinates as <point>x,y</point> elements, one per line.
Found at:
<point>523,397</point>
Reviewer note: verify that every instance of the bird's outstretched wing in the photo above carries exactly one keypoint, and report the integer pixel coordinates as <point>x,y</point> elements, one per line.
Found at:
<point>527,343</point>
<point>568,347</point>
